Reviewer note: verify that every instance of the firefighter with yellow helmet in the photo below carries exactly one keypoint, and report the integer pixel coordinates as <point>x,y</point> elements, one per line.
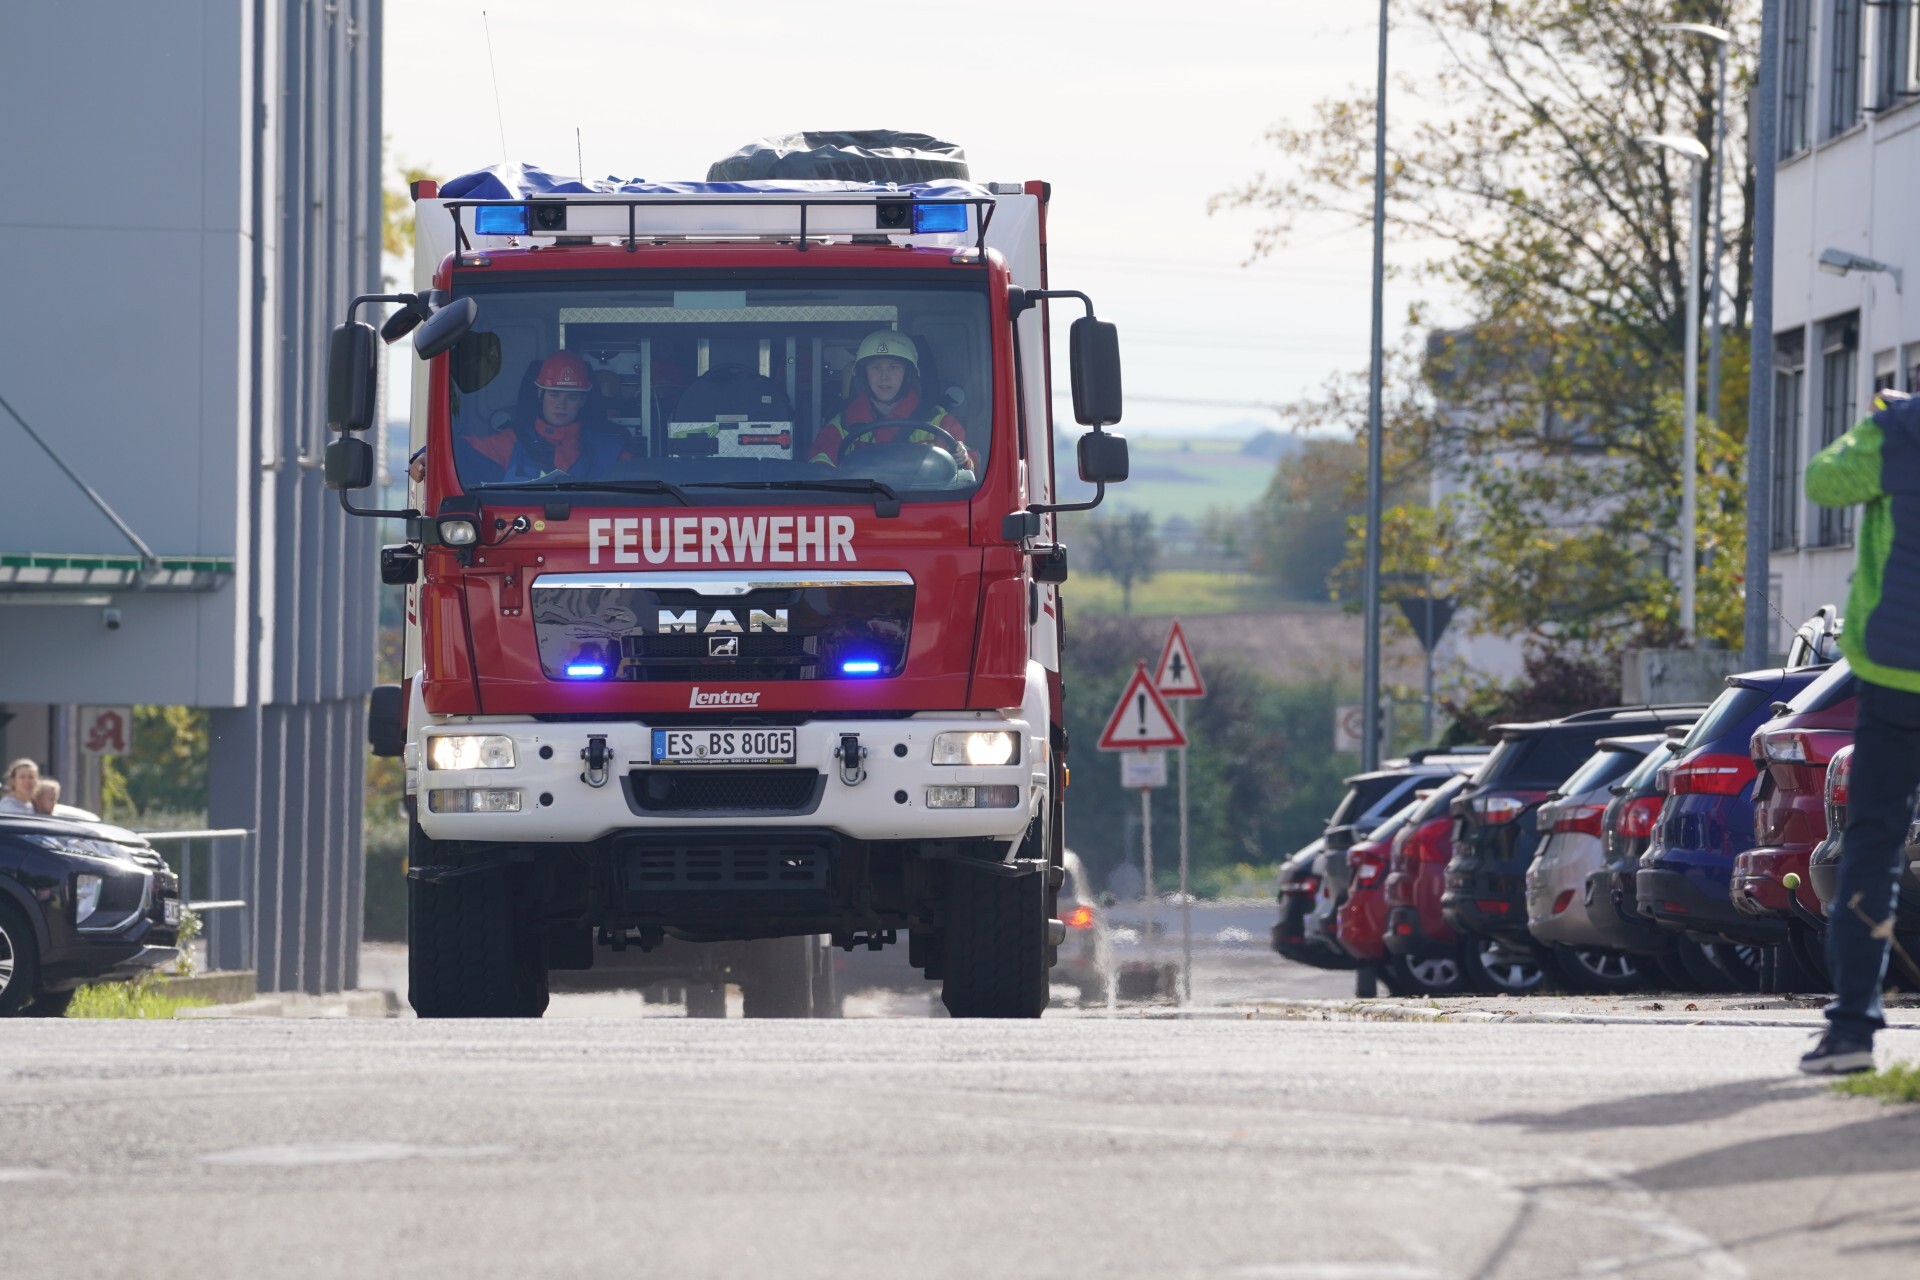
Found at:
<point>886,378</point>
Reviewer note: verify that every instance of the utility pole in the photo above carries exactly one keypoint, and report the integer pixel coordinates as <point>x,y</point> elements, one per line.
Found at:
<point>1766,150</point>
<point>1370,680</point>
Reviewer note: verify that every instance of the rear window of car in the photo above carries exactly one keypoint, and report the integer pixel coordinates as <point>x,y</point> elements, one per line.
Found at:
<point>1601,768</point>
<point>1736,704</point>
<point>1640,780</point>
<point>1435,805</point>
<point>1831,688</point>
<point>1361,797</point>
<point>1540,759</point>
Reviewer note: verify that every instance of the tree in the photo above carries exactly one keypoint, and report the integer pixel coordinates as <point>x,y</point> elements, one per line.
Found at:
<point>1301,529</point>
<point>1550,415</point>
<point>1123,547</point>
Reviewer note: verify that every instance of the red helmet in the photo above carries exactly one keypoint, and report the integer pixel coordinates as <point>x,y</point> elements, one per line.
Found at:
<point>563,371</point>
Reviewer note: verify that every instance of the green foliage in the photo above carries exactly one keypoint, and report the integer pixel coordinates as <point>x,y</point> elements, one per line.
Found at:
<point>1301,530</point>
<point>140,998</point>
<point>1556,681</point>
<point>1553,417</point>
<point>1263,779</point>
<point>1898,1083</point>
<point>385,918</point>
<point>166,767</point>
<point>1122,546</point>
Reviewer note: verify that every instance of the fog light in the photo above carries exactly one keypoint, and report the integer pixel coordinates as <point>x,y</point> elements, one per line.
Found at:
<point>459,531</point>
<point>455,751</point>
<point>86,897</point>
<point>1002,797</point>
<point>474,800</point>
<point>979,748</point>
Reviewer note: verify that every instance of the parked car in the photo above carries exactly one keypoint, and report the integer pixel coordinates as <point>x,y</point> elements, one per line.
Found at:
<point>1790,754</point>
<point>1495,831</point>
<point>1423,951</point>
<point>1824,871</point>
<point>1374,797</point>
<point>1571,850</point>
<point>1299,886</point>
<point>1685,878</point>
<point>1360,918</point>
<point>1086,953</point>
<point>80,902</point>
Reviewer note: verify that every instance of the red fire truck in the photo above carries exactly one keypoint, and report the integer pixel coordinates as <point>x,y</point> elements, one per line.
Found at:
<point>732,596</point>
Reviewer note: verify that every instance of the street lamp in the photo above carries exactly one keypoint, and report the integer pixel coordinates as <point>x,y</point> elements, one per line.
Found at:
<point>1682,145</point>
<point>1838,262</point>
<point>1724,39</point>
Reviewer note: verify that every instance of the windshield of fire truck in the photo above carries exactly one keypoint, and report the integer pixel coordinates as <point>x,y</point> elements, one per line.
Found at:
<point>786,386</point>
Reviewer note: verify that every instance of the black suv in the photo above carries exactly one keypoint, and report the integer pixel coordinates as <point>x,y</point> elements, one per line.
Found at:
<point>1494,830</point>
<point>79,902</point>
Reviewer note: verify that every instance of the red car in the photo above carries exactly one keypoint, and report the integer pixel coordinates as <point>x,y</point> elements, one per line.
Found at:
<point>1425,954</point>
<point>1362,919</point>
<point>1791,752</point>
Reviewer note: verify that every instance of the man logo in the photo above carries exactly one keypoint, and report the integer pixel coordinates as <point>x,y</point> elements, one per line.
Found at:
<point>723,646</point>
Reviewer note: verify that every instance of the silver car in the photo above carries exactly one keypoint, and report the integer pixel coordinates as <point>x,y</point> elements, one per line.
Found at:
<point>1571,850</point>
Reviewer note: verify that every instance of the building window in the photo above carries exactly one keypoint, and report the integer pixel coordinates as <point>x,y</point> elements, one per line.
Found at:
<point>1839,369</point>
<point>1789,382</point>
<point>1893,52</point>
<point>1843,62</point>
<point>1796,66</point>
<point>1910,361</point>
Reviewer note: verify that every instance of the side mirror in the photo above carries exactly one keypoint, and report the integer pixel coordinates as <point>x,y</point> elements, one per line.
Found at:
<point>447,326</point>
<point>1103,458</point>
<point>387,720</point>
<point>351,376</point>
<point>1051,567</point>
<point>1095,346</point>
<point>349,463</point>
<point>399,564</point>
<point>399,325</point>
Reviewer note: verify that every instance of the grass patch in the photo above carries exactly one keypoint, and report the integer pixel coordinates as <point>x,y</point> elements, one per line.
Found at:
<point>1898,1083</point>
<point>1173,591</point>
<point>140,998</point>
<point>1240,880</point>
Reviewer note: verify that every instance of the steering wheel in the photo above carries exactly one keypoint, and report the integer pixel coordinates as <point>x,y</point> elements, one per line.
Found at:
<point>952,441</point>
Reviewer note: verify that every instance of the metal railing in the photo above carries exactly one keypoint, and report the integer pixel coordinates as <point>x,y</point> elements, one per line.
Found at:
<point>223,853</point>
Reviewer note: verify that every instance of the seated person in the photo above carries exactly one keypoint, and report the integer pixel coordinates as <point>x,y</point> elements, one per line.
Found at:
<point>22,782</point>
<point>559,440</point>
<point>886,372</point>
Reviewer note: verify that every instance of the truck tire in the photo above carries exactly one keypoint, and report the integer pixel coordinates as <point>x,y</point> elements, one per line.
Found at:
<point>996,945</point>
<point>778,978</point>
<point>467,957</point>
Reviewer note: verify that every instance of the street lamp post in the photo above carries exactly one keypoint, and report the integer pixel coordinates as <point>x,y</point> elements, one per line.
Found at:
<point>1370,663</point>
<point>1691,149</point>
<point>1718,181</point>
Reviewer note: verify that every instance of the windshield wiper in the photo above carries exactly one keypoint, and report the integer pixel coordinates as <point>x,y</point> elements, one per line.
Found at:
<point>886,500</point>
<point>673,491</point>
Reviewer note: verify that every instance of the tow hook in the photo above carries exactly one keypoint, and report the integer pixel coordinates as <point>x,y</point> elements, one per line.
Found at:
<point>850,753</point>
<point>598,758</point>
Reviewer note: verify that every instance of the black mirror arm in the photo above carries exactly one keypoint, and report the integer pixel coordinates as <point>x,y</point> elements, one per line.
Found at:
<point>1099,494</point>
<point>412,301</point>
<point>1020,301</point>
<point>406,513</point>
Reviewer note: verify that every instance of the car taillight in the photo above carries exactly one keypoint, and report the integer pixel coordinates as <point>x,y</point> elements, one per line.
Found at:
<point>1839,774</point>
<point>1714,774</point>
<point>1639,816</point>
<point>1307,884</point>
<point>1431,841</point>
<point>1800,746</point>
<point>1562,902</point>
<point>1582,819</point>
<point>1495,810</point>
<point>1366,869</point>
<point>1080,917</point>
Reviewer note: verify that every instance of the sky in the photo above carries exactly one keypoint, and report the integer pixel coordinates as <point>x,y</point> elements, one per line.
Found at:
<point>1136,113</point>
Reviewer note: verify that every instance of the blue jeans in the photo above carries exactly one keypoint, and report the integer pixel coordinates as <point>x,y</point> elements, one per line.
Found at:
<point>1886,769</point>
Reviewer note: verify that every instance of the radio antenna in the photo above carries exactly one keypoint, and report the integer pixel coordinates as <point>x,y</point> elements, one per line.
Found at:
<point>498,114</point>
<point>578,162</point>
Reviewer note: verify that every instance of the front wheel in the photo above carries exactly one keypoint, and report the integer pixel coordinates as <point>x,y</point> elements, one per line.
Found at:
<point>1428,976</point>
<point>995,945</point>
<point>468,952</point>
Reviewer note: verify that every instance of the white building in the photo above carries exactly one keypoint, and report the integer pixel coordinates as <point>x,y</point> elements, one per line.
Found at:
<point>1849,180</point>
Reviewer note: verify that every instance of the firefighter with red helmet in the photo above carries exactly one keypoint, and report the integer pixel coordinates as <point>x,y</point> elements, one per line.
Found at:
<point>886,376</point>
<point>559,439</point>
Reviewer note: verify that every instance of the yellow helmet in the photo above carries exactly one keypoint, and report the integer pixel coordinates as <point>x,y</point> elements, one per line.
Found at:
<point>885,342</point>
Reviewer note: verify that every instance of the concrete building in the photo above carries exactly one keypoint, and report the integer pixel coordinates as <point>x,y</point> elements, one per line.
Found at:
<point>1849,181</point>
<point>194,197</point>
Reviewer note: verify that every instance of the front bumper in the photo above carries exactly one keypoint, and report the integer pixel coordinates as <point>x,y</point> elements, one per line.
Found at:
<point>883,798</point>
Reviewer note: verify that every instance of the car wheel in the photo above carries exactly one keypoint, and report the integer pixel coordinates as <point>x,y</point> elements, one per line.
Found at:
<point>1499,969</point>
<point>1597,972</point>
<point>19,960</point>
<point>1738,963</point>
<point>1692,970</point>
<point>1431,976</point>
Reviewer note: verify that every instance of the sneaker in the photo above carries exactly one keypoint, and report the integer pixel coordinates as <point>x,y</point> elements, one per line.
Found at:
<point>1838,1055</point>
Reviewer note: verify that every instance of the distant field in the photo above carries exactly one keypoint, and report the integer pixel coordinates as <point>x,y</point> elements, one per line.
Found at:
<point>1177,591</point>
<point>1182,477</point>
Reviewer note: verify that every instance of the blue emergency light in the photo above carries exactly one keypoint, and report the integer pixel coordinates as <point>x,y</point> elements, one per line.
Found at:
<point>860,667</point>
<point>500,219</point>
<point>939,217</point>
<point>585,670</point>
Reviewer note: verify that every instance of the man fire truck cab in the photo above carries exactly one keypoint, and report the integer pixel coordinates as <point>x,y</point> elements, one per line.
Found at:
<point>673,680</point>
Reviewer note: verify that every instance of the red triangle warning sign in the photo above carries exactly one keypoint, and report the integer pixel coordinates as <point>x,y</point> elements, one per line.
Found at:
<point>1142,721</point>
<point>1177,676</point>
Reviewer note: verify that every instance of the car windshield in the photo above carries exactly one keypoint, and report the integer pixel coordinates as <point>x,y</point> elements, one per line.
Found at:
<point>782,389</point>
<point>1735,704</point>
<point>1640,781</point>
<point>1603,767</point>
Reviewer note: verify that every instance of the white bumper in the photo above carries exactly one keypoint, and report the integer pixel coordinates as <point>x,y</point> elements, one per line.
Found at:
<point>558,804</point>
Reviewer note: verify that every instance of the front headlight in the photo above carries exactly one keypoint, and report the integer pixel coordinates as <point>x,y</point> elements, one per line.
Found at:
<point>86,897</point>
<point>455,751</point>
<point>980,748</point>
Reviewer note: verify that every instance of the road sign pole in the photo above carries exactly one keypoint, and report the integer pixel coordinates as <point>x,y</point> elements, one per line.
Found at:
<point>1186,898</point>
<point>1146,857</point>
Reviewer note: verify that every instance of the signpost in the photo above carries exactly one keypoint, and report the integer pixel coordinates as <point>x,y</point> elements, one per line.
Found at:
<point>1177,677</point>
<point>1142,721</point>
